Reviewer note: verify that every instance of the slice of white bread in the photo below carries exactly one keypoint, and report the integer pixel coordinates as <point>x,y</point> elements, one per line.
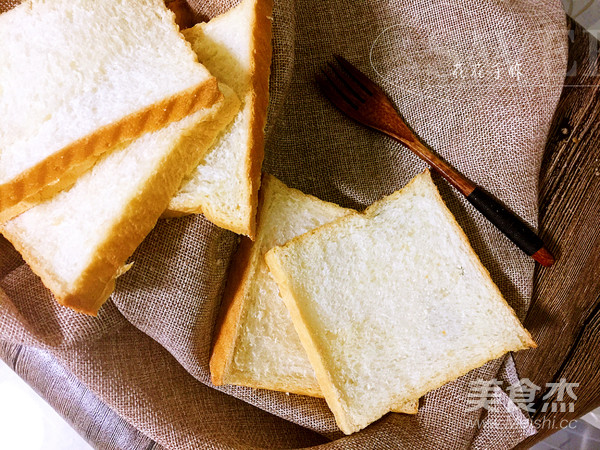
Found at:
<point>236,48</point>
<point>392,303</point>
<point>78,77</point>
<point>255,342</point>
<point>79,240</point>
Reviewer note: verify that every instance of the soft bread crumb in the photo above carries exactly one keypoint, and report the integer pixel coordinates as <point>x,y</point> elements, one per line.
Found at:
<point>66,100</point>
<point>236,48</point>
<point>392,303</point>
<point>259,347</point>
<point>79,240</point>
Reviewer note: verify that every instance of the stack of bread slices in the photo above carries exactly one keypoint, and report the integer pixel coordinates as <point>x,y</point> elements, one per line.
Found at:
<point>112,118</point>
<point>369,310</point>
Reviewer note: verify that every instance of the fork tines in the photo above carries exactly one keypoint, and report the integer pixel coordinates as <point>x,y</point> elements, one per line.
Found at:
<point>344,85</point>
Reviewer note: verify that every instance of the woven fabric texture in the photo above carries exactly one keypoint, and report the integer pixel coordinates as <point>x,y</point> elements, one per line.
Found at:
<point>478,81</point>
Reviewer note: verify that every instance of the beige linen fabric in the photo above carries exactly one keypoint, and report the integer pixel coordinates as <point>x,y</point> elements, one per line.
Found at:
<point>479,81</point>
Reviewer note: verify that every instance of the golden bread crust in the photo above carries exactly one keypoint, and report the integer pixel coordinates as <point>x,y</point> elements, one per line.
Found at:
<point>259,99</point>
<point>96,283</point>
<point>232,306</point>
<point>230,313</point>
<point>256,101</point>
<point>61,169</point>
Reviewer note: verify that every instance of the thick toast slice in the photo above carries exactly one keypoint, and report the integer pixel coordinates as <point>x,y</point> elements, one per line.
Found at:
<point>236,48</point>
<point>79,240</point>
<point>256,344</point>
<point>392,303</point>
<point>78,77</point>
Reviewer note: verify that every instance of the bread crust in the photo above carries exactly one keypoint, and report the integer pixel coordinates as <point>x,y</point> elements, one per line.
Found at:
<point>96,283</point>
<point>180,209</point>
<point>323,372</point>
<point>259,98</point>
<point>232,306</point>
<point>231,311</point>
<point>279,387</point>
<point>184,16</point>
<point>60,170</point>
<point>256,101</point>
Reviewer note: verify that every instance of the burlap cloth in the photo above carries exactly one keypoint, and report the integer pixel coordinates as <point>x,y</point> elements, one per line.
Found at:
<point>479,81</point>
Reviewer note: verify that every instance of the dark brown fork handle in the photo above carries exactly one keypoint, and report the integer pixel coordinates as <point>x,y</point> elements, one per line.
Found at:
<point>378,112</point>
<point>511,225</point>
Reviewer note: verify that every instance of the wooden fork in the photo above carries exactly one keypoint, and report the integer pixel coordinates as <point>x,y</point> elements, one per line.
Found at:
<point>364,101</point>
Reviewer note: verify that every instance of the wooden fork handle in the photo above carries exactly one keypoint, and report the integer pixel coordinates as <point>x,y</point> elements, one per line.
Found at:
<point>511,225</point>
<point>506,221</point>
